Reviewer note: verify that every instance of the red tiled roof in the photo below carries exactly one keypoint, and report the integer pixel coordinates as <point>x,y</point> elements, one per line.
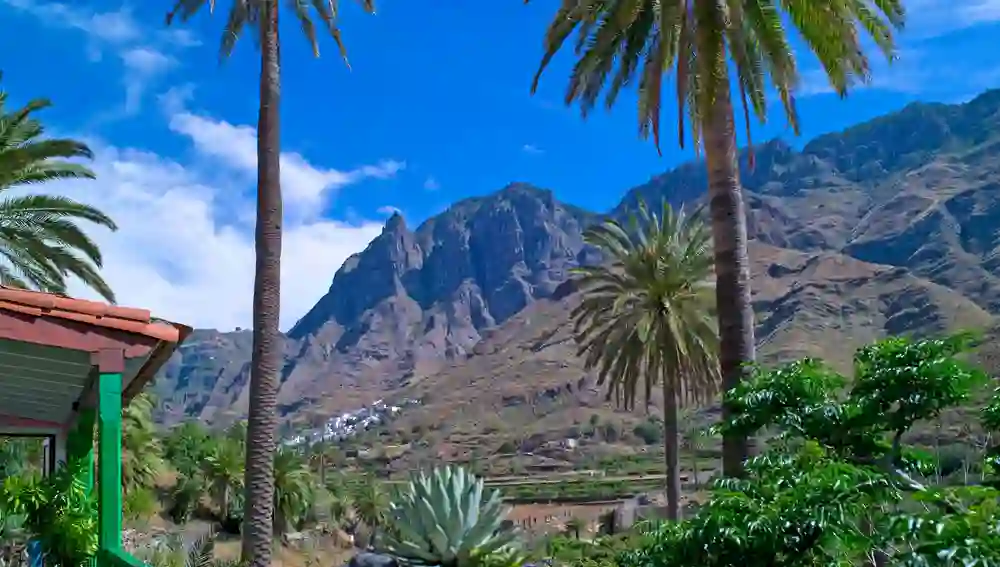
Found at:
<point>128,319</point>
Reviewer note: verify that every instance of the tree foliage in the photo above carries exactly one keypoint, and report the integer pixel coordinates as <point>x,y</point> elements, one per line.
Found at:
<point>839,484</point>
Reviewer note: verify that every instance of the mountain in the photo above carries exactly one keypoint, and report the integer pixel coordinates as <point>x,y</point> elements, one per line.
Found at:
<point>918,189</point>
<point>527,372</point>
<point>410,301</point>
<point>892,226</point>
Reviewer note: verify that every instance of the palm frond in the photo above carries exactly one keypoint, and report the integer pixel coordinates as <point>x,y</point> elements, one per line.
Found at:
<point>621,41</point>
<point>41,242</point>
<point>247,13</point>
<point>647,312</point>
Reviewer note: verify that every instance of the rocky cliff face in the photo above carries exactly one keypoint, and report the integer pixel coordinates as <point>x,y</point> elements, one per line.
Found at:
<point>918,189</point>
<point>915,192</point>
<point>410,301</point>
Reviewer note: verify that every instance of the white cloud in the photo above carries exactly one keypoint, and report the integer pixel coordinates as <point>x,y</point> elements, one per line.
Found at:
<point>111,27</point>
<point>144,54</point>
<point>431,184</point>
<point>305,186</point>
<point>532,149</point>
<point>389,210</point>
<point>142,66</point>
<point>933,18</point>
<point>181,253</point>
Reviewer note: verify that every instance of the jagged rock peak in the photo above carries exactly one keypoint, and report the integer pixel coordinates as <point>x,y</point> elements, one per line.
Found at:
<point>394,223</point>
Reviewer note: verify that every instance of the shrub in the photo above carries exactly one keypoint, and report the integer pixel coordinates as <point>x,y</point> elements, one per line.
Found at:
<point>649,432</point>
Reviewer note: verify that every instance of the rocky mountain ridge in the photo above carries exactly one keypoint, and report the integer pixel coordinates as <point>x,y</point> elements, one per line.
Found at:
<point>410,301</point>
<point>907,202</point>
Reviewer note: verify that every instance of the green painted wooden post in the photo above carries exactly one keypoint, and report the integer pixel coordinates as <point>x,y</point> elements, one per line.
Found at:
<point>109,497</point>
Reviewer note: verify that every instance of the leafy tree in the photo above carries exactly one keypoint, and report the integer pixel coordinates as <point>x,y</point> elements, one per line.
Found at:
<point>187,446</point>
<point>57,511</point>
<point>321,455</point>
<point>40,240</point>
<point>822,494</point>
<point>574,526</point>
<point>646,318</point>
<point>262,17</point>
<point>340,505</point>
<point>708,45</point>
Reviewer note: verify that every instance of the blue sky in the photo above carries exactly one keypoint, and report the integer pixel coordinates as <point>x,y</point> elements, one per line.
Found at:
<point>435,108</point>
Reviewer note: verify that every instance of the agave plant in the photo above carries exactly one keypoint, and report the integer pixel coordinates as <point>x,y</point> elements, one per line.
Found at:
<point>446,519</point>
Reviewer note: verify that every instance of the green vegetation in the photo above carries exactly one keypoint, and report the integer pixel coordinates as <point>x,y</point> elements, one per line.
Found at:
<point>840,484</point>
<point>448,518</point>
<point>174,553</point>
<point>580,490</point>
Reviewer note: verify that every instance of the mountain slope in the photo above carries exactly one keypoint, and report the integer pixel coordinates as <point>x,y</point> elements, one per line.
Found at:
<point>410,301</point>
<point>918,189</point>
<point>907,203</point>
<point>526,372</point>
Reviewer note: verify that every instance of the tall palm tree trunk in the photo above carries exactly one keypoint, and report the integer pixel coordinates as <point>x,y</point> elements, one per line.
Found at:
<point>670,440</point>
<point>262,423</point>
<point>732,264</point>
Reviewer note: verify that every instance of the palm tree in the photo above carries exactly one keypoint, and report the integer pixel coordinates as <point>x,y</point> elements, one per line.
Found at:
<point>225,472</point>
<point>623,42</point>
<point>341,508</point>
<point>262,15</point>
<point>574,526</point>
<point>371,505</point>
<point>293,489</point>
<point>646,318</point>
<point>693,439</point>
<point>141,446</point>
<point>40,242</point>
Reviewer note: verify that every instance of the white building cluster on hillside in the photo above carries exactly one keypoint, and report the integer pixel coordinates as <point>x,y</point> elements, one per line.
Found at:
<point>340,427</point>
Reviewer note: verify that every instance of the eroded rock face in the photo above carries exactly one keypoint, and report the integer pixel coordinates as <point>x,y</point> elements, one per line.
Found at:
<point>412,300</point>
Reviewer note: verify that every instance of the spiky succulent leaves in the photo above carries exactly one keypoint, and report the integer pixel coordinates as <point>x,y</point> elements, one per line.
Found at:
<point>442,518</point>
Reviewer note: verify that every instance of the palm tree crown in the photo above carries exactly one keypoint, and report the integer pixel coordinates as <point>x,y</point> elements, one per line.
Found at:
<point>646,318</point>
<point>619,41</point>
<point>40,241</point>
<point>245,13</point>
<point>647,312</point>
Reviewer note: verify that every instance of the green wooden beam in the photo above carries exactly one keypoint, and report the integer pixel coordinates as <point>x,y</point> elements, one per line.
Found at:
<point>109,500</point>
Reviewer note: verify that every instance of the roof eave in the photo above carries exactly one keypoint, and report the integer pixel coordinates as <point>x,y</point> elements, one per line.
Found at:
<point>154,362</point>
